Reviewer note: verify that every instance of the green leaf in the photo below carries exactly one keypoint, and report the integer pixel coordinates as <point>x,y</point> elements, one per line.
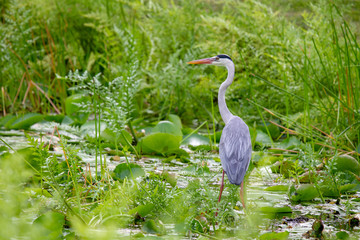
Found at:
<point>167,127</point>
<point>290,143</point>
<point>262,138</point>
<point>305,192</point>
<point>346,163</point>
<point>175,120</point>
<point>169,177</point>
<point>277,188</point>
<point>26,121</point>
<point>143,210</point>
<point>273,130</point>
<point>54,118</point>
<point>263,159</point>
<point>196,140</point>
<point>342,235</point>
<point>7,119</point>
<point>348,188</point>
<point>152,227</point>
<point>67,121</point>
<point>88,128</point>
<point>110,136</point>
<point>124,170</point>
<point>160,143</point>
<point>38,192</point>
<point>275,236</point>
<point>284,209</point>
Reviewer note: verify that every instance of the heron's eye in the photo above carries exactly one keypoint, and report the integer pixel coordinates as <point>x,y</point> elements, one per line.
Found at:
<point>217,58</point>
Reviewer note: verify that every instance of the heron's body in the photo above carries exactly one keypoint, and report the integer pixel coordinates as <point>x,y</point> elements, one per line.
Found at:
<point>235,143</point>
<point>235,149</point>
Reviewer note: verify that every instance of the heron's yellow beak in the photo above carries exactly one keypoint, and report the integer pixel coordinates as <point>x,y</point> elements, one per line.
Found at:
<point>201,61</point>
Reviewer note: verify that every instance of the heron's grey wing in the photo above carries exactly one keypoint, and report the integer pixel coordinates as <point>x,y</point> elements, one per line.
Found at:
<point>235,149</point>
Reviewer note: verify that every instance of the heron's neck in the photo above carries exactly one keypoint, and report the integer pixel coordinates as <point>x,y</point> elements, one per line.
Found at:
<point>224,111</point>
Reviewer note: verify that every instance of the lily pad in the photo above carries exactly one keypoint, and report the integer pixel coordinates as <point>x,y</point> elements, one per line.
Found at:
<point>26,121</point>
<point>124,170</point>
<point>262,138</point>
<point>88,128</point>
<point>54,118</point>
<point>169,177</point>
<point>285,167</point>
<point>290,143</point>
<point>167,127</point>
<point>305,192</point>
<point>196,140</point>
<point>273,129</point>
<point>275,236</point>
<point>160,143</point>
<point>346,163</point>
<point>175,119</point>
<point>152,227</point>
<point>5,120</point>
<point>284,209</point>
<point>277,188</point>
<point>110,136</point>
<point>263,159</point>
<point>348,188</point>
<point>143,210</point>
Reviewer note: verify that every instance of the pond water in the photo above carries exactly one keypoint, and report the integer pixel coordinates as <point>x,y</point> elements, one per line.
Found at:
<point>335,215</point>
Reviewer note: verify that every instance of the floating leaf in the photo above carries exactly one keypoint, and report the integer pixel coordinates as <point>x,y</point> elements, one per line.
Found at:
<point>169,177</point>
<point>54,118</point>
<point>38,192</point>
<point>285,167</point>
<point>195,140</point>
<point>175,120</point>
<point>284,209</point>
<point>262,138</point>
<point>329,191</point>
<point>290,143</point>
<point>67,121</point>
<point>110,136</point>
<point>143,210</point>
<point>263,159</point>
<point>167,127</point>
<point>305,192</point>
<point>89,128</point>
<point>26,121</point>
<point>152,227</point>
<point>124,170</point>
<point>277,188</point>
<point>160,143</point>
<point>342,235</point>
<point>5,120</point>
<point>348,188</point>
<point>275,236</point>
<point>345,163</point>
<point>273,130</point>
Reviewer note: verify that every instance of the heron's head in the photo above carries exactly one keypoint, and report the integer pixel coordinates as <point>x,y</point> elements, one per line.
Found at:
<point>219,60</point>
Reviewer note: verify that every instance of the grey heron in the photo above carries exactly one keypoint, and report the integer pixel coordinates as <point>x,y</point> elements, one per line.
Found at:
<point>235,142</point>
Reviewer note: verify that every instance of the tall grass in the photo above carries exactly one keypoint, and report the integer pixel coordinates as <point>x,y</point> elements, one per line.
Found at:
<point>307,66</point>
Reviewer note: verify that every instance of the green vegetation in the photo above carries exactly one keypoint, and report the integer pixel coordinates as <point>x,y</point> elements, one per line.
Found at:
<point>106,133</point>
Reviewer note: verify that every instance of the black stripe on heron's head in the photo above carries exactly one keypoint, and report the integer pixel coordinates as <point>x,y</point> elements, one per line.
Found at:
<point>224,56</point>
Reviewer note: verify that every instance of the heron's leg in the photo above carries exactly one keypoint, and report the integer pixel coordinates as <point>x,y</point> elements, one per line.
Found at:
<point>221,186</point>
<point>242,194</point>
<point>221,190</point>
